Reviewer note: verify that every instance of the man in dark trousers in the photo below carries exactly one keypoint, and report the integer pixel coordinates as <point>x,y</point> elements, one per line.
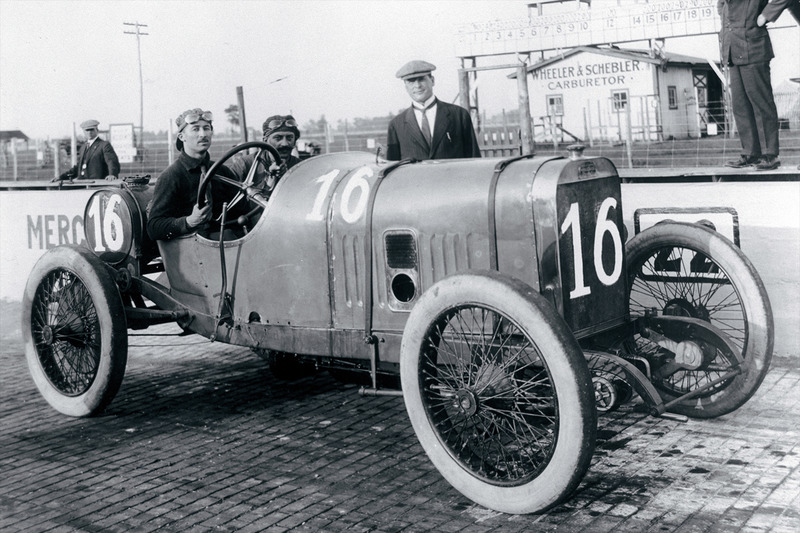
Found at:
<point>430,128</point>
<point>97,159</point>
<point>746,47</point>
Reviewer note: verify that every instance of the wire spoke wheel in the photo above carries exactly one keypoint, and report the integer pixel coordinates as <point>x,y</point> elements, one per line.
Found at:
<point>498,392</point>
<point>75,331</point>
<point>691,271</point>
<point>489,395</point>
<point>66,332</point>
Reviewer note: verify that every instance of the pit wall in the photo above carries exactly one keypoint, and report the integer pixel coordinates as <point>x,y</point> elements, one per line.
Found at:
<point>764,217</point>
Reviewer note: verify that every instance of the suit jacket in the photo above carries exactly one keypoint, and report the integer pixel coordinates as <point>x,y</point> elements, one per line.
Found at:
<point>742,41</point>
<point>453,135</point>
<point>95,162</point>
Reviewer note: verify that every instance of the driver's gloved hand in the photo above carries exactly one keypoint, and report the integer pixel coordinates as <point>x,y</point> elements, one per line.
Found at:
<point>275,173</point>
<point>199,216</point>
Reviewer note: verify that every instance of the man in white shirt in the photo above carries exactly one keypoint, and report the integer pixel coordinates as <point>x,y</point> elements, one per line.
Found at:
<point>430,128</point>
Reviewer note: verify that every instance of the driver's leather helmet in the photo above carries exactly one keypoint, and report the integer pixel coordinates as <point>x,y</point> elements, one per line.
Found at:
<point>190,116</point>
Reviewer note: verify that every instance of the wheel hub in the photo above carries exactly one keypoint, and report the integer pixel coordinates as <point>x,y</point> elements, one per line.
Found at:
<point>682,307</point>
<point>48,336</point>
<point>466,402</point>
<point>605,394</point>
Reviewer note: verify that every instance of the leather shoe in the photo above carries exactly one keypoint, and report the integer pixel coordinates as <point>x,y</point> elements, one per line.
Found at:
<point>743,161</point>
<point>768,162</point>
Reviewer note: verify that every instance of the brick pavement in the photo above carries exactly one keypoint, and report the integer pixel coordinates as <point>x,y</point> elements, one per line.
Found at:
<point>202,438</point>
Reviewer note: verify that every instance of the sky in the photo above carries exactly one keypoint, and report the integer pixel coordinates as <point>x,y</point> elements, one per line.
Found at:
<point>64,61</point>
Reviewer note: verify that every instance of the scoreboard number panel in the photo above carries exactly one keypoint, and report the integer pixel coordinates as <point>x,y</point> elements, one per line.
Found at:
<point>585,27</point>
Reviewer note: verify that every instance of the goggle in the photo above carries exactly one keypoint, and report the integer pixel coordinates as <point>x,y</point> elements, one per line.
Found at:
<point>277,123</point>
<point>191,118</point>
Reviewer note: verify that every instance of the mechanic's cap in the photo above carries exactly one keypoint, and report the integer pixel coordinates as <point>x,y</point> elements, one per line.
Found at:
<point>190,116</point>
<point>280,123</point>
<point>414,69</point>
<point>88,124</point>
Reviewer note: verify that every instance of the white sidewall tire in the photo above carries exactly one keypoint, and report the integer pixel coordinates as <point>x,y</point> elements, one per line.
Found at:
<point>751,291</point>
<point>567,369</point>
<point>107,300</point>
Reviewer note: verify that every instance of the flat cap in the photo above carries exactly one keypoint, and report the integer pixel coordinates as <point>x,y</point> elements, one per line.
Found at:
<point>86,124</point>
<point>415,68</point>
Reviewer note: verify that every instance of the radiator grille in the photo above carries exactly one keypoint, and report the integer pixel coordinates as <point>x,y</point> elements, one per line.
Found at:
<point>401,250</point>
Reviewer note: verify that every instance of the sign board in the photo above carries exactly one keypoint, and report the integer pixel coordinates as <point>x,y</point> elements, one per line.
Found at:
<point>654,20</point>
<point>725,220</point>
<point>123,140</point>
<point>33,222</point>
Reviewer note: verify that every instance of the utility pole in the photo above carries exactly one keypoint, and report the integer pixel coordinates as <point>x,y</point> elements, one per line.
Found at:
<point>138,33</point>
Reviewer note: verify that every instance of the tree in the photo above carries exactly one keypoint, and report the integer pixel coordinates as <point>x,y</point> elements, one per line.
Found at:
<point>233,114</point>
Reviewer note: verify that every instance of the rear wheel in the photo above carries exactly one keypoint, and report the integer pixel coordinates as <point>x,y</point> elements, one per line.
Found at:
<point>691,271</point>
<point>74,331</point>
<point>498,392</point>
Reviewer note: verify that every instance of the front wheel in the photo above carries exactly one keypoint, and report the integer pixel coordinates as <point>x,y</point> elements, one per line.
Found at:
<point>691,271</point>
<point>498,392</point>
<point>74,330</point>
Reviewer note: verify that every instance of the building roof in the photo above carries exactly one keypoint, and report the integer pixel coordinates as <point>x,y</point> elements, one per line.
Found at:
<point>7,135</point>
<point>667,58</point>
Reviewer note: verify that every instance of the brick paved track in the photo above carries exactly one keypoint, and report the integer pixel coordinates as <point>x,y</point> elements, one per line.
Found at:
<point>202,438</point>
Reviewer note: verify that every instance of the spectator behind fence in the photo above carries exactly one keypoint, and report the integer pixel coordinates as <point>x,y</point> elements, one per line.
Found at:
<point>746,47</point>
<point>430,128</point>
<point>96,159</point>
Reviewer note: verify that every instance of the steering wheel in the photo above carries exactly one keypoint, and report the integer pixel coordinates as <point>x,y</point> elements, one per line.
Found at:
<point>246,189</point>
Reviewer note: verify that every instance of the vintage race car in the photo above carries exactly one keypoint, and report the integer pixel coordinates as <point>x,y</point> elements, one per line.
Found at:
<point>499,294</point>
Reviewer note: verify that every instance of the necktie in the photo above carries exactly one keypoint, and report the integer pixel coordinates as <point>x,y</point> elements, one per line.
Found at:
<point>84,159</point>
<point>426,127</point>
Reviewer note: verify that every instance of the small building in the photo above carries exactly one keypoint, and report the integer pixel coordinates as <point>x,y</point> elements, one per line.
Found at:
<point>8,135</point>
<point>603,92</point>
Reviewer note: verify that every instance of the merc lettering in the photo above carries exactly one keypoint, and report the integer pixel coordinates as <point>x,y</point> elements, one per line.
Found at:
<point>48,231</point>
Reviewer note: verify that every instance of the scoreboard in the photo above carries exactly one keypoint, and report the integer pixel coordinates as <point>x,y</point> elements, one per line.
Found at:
<point>655,20</point>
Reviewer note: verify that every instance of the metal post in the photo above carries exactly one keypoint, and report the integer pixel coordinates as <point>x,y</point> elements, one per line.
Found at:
<point>56,149</point>
<point>73,144</point>
<point>141,79</point>
<point>526,131</point>
<point>242,117</point>
<point>628,140</point>
<point>463,88</point>
<point>474,109</point>
<point>589,120</point>
<point>170,144</point>
<point>13,144</point>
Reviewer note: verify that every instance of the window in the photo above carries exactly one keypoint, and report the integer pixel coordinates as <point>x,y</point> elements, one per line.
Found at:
<point>555,105</point>
<point>701,88</point>
<point>620,100</point>
<point>672,94</point>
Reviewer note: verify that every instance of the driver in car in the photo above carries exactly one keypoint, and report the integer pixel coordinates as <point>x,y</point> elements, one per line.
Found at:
<point>281,132</point>
<point>174,210</point>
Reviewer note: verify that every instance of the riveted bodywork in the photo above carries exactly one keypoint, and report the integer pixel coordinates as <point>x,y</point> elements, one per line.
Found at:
<point>299,280</point>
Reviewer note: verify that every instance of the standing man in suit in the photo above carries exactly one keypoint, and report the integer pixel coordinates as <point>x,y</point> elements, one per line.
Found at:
<point>96,159</point>
<point>746,47</point>
<point>430,128</point>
